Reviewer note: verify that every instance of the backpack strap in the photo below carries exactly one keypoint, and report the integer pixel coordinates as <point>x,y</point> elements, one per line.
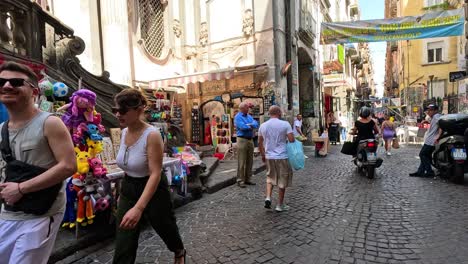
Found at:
<point>5,144</point>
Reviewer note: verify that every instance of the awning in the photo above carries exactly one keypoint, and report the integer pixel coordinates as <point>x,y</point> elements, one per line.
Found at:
<point>222,74</point>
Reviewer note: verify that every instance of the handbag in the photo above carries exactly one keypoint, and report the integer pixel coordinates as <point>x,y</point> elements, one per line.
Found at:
<point>395,143</point>
<point>37,203</point>
<point>349,148</point>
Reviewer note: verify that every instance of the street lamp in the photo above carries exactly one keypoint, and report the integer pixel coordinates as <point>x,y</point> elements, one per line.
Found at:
<point>431,77</point>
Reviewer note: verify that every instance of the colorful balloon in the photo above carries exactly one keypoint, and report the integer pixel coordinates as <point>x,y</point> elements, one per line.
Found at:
<point>60,89</point>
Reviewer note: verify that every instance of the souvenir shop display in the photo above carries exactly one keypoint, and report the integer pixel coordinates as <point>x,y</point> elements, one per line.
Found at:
<point>176,116</point>
<point>85,190</point>
<point>222,132</point>
<point>159,110</point>
<point>51,93</point>
<point>195,125</point>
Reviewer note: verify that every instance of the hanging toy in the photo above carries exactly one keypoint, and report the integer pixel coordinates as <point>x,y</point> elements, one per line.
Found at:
<point>99,171</point>
<point>93,131</point>
<point>46,87</point>
<point>80,109</point>
<point>82,161</point>
<point>60,89</point>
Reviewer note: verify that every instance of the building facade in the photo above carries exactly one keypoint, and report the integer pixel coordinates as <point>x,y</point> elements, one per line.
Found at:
<point>260,51</point>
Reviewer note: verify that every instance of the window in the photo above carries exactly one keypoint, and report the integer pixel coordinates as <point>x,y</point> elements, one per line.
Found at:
<point>434,51</point>
<point>438,89</point>
<point>152,26</point>
<point>433,2</point>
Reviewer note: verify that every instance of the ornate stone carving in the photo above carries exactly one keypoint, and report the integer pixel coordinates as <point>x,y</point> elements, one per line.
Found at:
<point>203,39</point>
<point>248,23</point>
<point>177,28</point>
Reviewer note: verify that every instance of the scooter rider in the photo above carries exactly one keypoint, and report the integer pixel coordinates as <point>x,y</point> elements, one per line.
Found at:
<point>365,127</point>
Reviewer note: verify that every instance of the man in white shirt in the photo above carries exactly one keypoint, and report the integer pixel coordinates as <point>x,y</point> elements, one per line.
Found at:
<point>272,138</point>
<point>297,129</point>
<point>430,139</point>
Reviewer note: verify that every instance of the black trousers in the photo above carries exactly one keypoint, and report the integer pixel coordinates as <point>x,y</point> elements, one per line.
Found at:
<point>425,168</point>
<point>159,212</point>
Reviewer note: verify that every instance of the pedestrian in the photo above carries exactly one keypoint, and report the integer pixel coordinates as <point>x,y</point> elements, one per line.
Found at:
<point>245,125</point>
<point>43,144</point>
<point>145,190</point>
<point>297,129</point>
<point>273,136</point>
<point>343,126</point>
<point>388,133</point>
<point>430,139</point>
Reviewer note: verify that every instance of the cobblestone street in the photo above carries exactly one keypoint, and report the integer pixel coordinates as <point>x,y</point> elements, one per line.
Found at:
<point>336,216</point>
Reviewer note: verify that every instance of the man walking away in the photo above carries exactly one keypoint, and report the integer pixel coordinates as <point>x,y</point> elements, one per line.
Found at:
<point>272,139</point>
<point>245,125</point>
<point>430,139</point>
<point>38,139</point>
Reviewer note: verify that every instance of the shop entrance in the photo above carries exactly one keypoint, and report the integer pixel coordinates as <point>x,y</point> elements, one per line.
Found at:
<point>211,112</point>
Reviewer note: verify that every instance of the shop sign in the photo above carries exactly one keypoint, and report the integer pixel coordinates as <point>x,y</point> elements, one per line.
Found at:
<point>430,25</point>
<point>213,87</point>
<point>458,75</point>
<point>333,77</point>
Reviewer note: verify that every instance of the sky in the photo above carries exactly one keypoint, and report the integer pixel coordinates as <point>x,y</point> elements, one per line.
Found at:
<point>375,9</point>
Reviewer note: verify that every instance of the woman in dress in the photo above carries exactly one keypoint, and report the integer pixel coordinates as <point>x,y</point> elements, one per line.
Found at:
<point>388,133</point>
<point>144,190</point>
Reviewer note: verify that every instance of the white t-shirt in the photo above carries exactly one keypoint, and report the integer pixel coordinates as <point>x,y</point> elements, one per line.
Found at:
<point>297,123</point>
<point>343,121</point>
<point>275,134</point>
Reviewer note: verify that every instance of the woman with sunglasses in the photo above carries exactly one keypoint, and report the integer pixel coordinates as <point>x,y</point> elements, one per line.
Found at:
<point>144,190</point>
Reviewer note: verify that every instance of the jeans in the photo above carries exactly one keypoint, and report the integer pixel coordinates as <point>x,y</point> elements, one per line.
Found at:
<point>343,133</point>
<point>426,156</point>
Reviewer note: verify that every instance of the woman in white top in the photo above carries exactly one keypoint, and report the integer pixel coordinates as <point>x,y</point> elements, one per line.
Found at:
<point>144,190</point>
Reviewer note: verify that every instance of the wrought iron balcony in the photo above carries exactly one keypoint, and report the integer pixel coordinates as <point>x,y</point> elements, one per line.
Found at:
<point>307,26</point>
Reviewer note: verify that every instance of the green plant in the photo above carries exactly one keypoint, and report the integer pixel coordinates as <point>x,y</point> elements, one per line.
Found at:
<point>444,6</point>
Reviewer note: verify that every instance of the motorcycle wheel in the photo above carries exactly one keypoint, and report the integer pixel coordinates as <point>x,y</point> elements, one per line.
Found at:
<point>370,172</point>
<point>458,173</point>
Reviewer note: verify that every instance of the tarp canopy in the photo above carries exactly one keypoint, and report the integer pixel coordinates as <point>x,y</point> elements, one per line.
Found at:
<point>430,25</point>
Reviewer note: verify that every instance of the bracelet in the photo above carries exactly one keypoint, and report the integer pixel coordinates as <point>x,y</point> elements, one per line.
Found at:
<point>19,190</point>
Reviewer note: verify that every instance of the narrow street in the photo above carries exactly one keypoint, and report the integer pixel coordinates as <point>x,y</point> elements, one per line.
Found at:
<point>336,216</point>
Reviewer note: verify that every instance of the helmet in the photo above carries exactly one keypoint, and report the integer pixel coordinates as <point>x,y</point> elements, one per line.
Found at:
<point>365,112</point>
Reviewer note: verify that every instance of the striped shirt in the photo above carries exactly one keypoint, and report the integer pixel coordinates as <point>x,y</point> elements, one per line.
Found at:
<point>431,134</point>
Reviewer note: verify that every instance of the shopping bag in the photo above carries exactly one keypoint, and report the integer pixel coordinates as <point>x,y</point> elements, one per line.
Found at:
<point>395,143</point>
<point>296,155</point>
<point>349,148</point>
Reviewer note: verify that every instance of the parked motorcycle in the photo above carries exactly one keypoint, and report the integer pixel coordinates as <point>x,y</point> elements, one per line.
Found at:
<point>449,156</point>
<point>366,157</point>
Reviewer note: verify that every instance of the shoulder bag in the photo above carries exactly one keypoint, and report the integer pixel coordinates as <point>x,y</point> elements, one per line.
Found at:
<point>37,203</point>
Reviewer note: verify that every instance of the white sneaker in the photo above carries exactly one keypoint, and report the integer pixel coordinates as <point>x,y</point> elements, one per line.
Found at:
<point>305,157</point>
<point>281,208</point>
<point>389,154</point>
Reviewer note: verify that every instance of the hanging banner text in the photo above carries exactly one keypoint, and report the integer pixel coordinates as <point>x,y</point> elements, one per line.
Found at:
<point>431,25</point>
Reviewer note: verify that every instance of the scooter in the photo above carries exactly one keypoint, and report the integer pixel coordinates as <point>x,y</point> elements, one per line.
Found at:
<point>449,156</point>
<point>366,157</point>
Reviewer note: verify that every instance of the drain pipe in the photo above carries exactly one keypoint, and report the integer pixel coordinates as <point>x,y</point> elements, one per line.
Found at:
<point>276,46</point>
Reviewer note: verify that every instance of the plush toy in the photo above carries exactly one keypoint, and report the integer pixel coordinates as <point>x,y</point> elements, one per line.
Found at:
<point>85,188</point>
<point>102,200</point>
<point>93,132</point>
<point>82,161</point>
<point>80,109</point>
<point>69,219</point>
<point>94,147</point>
<point>99,171</point>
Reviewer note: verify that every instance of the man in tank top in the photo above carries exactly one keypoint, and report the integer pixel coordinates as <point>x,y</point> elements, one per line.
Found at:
<point>39,139</point>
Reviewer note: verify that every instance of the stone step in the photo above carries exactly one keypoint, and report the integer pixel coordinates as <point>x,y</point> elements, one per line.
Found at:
<point>211,164</point>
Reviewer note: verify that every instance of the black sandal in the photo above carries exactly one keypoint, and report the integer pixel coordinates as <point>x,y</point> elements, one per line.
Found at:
<point>180,255</point>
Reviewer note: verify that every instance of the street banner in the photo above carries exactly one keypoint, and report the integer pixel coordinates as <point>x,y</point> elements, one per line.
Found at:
<point>430,25</point>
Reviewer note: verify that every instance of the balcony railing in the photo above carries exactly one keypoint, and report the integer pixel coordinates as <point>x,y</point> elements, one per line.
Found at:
<point>307,26</point>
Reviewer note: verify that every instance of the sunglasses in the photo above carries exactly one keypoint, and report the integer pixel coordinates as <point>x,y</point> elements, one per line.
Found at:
<point>123,110</point>
<point>15,82</point>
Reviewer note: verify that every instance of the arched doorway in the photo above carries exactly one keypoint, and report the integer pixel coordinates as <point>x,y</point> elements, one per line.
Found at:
<point>210,110</point>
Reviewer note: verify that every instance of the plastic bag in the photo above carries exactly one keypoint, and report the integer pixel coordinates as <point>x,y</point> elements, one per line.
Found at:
<point>296,155</point>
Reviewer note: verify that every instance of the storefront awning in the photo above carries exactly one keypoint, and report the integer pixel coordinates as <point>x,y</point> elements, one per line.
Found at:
<point>222,74</point>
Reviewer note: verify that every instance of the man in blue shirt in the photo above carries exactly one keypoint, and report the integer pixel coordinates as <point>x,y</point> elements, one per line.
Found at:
<point>245,125</point>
